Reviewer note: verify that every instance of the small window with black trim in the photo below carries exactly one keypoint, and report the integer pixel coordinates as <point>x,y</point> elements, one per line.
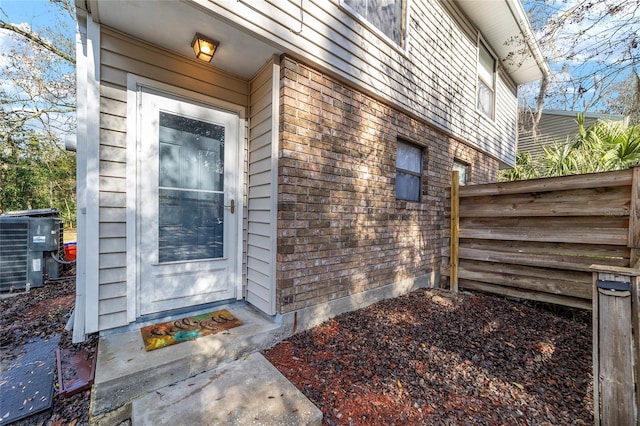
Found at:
<point>408,171</point>
<point>463,171</point>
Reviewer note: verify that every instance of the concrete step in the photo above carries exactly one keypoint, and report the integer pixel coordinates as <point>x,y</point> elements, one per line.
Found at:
<point>124,370</point>
<point>249,391</point>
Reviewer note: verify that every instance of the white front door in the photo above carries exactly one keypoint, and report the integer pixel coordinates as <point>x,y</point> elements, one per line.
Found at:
<point>186,205</point>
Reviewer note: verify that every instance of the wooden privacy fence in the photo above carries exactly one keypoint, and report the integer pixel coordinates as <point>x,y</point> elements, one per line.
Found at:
<point>536,239</point>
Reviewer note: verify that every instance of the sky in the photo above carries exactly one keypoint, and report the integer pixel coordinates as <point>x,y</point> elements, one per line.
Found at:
<point>30,11</point>
<point>598,30</point>
<point>35,14</point>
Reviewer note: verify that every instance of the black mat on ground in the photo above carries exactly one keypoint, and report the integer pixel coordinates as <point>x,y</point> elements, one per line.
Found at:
<point>26,383</point>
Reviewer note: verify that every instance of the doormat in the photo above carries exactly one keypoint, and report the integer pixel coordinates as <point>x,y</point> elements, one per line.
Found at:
<point>169,333</point>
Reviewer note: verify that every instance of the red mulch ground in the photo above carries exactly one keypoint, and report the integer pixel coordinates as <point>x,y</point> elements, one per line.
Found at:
<point>425,358</point>
<point>438,359</point>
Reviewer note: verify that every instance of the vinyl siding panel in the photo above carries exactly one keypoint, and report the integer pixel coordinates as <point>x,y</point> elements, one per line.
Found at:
<point>112,260</point>
<point>122,55</point>
<point>261,191</point>
<point>263,268</point>
<point>554,127</point>
<point>110,153</point>
<point>112,199</point>
<point>115,276</point>
<point>110,291</point>
<point>433,77</point>
<point>113,229</point>
<point>112,169</point>
<point>113,107</point>
<point>112,184</point>
<point>113,245</point>
<point>113,122</point>
<point>106,320</point>
<point>112,138</point>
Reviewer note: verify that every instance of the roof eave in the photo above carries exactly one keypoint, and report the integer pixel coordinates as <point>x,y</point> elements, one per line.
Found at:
<point>505,26</point>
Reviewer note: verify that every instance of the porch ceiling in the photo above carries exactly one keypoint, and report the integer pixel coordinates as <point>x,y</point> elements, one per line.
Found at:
<point>172,24</point>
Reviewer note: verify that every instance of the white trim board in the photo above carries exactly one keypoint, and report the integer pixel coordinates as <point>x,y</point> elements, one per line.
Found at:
<point>86,318</point>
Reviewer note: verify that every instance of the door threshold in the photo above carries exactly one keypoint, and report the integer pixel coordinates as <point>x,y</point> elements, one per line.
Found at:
<point>191,310</point>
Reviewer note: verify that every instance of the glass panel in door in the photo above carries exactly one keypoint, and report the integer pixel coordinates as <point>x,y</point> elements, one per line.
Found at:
<point>191,189</point>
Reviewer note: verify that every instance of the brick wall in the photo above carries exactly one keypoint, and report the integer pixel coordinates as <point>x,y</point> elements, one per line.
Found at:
<point>340,229</point>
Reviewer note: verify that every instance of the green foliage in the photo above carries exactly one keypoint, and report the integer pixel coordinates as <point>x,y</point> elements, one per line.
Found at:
<point>37,175</point>
<point>605,145</point>
<point>525,169</point>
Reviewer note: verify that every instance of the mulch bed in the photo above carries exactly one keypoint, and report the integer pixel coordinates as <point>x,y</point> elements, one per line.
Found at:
<point>43,313</point>
<point>425,358</point>
<point>440,359</point>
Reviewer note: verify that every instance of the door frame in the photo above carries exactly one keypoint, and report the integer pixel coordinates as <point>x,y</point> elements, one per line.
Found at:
<point>134,85</point>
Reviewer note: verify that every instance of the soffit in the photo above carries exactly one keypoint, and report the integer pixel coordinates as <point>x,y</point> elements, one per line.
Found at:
<point>505,27</point>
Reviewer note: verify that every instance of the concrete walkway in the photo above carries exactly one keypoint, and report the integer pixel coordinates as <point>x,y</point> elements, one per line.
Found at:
<point>219,376</point>
<point>249,391</point>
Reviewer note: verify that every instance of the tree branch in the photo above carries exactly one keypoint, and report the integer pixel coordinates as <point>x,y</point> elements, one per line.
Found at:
<point>37,40</point>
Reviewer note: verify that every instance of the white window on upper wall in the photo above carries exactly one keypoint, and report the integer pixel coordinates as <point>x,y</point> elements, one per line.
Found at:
<point>387,16</point>
<point>408,171</point>
<point>486,81</point>
<point>463,171</point>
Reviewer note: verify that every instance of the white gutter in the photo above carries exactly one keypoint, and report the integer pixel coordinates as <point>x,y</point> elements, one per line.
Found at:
<point>520,15</point>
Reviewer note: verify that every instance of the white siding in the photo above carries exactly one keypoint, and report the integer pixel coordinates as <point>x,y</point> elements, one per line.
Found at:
<point>262,196</point>
<point>122,55</point>
<point>434,78</point>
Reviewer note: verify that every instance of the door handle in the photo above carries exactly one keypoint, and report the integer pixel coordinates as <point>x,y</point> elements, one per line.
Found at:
<point>232,206</point>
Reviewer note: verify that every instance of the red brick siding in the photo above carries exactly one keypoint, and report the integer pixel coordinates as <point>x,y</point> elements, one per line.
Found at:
<point>341,230</point>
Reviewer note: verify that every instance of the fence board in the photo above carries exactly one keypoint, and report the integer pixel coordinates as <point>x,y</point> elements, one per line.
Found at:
<point>524,294</point>
<point>592,180</point>
<point>611,236</point>
<point>593,251</point>
<point>529,278</point>
<point>572,263</point>
<point>609,202</point>
<point>582,224</point>
<point>531,271</point>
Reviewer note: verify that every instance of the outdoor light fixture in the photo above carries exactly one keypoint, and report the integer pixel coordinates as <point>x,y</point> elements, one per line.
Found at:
<point>204,47</point>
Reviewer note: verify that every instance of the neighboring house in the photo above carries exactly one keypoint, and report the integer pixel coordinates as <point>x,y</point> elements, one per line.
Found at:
<point>554,127</point>
<point>307,164</point>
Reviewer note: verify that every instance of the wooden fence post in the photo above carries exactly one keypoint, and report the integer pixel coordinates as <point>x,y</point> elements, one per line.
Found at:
<point>455,231</point>
<point>634,220</point>
<point>615,340</point>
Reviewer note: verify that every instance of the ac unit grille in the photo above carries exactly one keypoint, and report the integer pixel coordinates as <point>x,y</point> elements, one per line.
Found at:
<point>14,238</point>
